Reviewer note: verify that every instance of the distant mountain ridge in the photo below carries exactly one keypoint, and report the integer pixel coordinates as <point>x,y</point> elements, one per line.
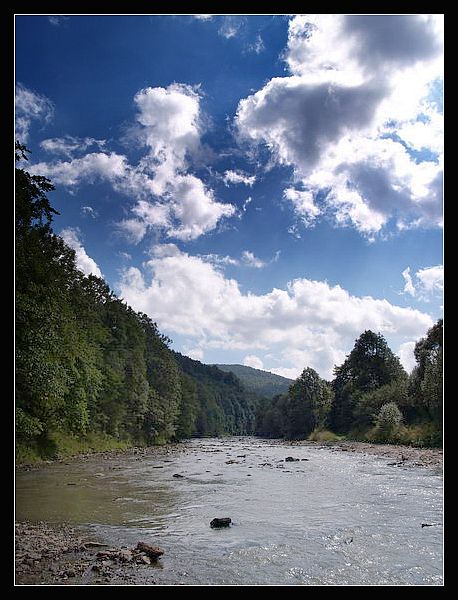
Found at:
<point>258,381</point>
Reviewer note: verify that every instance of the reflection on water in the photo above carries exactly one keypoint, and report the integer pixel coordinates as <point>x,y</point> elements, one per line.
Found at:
<point>336,518</point>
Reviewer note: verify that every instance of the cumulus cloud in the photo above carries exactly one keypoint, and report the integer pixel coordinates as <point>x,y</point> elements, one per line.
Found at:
<point>310,323</point>
<point>406,356</point>
<point>195,353</point>
<point>88,169</point>
<point>84,263</point>
<point>169,198</point>
<point>251,360</point>
<point>426,283</point>
<point>351,115</point>
<point>432,278</point>
<point>303,203</point>
<point>30,106</point>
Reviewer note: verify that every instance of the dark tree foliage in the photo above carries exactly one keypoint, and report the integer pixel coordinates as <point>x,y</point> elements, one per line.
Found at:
<point>221,404</point>
<point>370,365</point>
<point>426,380</point>
<point>296,414</point>
<point>85,361</point>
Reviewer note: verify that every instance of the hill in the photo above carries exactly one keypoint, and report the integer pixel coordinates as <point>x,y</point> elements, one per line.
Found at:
<point>260,382</point>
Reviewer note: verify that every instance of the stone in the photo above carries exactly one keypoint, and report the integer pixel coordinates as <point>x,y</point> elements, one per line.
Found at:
<point>125,555</point>
<point>221,522</point>
<point>144,559</point>
<point>291,459</point>
<point>151,551</point>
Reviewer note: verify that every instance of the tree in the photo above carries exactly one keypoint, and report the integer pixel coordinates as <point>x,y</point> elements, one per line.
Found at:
<point>308,403</point>
<point>388,422</point>
<point>426,380</point>
<point>370,365</point>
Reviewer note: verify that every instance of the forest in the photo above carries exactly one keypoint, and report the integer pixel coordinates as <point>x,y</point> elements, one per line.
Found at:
<point>89,367</point>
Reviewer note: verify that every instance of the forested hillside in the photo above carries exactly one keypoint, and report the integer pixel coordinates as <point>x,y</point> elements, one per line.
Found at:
<point>258,381</point>
<point>87,365</point>
<point>219,401</point>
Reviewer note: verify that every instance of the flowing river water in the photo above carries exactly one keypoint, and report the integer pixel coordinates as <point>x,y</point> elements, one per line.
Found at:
<point>328,518</point>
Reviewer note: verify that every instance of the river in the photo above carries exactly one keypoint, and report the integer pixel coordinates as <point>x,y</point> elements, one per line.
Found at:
<point>329,518</point>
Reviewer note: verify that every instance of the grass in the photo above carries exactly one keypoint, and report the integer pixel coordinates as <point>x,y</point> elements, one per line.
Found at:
<point>324,435</point>
<point>60,445</point>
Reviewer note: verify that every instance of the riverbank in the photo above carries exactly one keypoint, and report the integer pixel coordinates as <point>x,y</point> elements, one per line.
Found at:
<point>61,555</point>
<point>400,455</point>
<point>407,455</point>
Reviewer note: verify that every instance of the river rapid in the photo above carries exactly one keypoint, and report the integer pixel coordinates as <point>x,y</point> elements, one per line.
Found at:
<point>328,518</point>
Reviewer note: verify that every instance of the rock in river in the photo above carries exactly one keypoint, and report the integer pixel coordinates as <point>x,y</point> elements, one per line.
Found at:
<point>151,551</point>
<point>223,522</point>
<point>291,459</point>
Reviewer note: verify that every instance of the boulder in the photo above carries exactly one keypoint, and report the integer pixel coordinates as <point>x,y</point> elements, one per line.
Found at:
<point>291,459</point>
<point>151,551</point>
<point>222,522</point>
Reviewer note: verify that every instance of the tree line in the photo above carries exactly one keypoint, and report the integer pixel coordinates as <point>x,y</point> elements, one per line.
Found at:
<point>371,396</point>
<point>87,362</point>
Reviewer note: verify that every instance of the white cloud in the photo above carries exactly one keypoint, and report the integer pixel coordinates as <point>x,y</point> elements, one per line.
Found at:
<point>310,323</point>
<point>217,259</point>
<point>406,355</point>
<point>251,360</point>
<point>88,169</point>
<point>249,259</point>
<point>169,198</point>
<point>426,283</point>
<point>409,287</point>
<point>30,106</point>
<point>84,263</point>
<point>88,210</point>
<point>133,229</point>
<point>432,279</point>
<point>195,353</point>
<point>195,208</point>
<point>230,27</point>
<point>170,120</point>
<point>68,145</point>
<point>257,46</point>
<point>356,104</point>
<point>236,177</point>
<point>303,203</point>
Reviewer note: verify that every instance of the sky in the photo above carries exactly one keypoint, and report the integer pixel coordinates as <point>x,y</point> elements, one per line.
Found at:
<point>264,187</point>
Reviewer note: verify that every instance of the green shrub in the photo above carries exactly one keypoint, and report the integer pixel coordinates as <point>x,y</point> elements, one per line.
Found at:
<point>324,435</point>
<point>388,423</point>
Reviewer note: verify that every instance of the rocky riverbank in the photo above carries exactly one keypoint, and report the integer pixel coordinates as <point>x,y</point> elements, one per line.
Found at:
<point>398,455</point>
<point>137,451</point>
<point>62,555</point>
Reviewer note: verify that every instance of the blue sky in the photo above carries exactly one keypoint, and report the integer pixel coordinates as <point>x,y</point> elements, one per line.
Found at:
<point>264,187</point>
